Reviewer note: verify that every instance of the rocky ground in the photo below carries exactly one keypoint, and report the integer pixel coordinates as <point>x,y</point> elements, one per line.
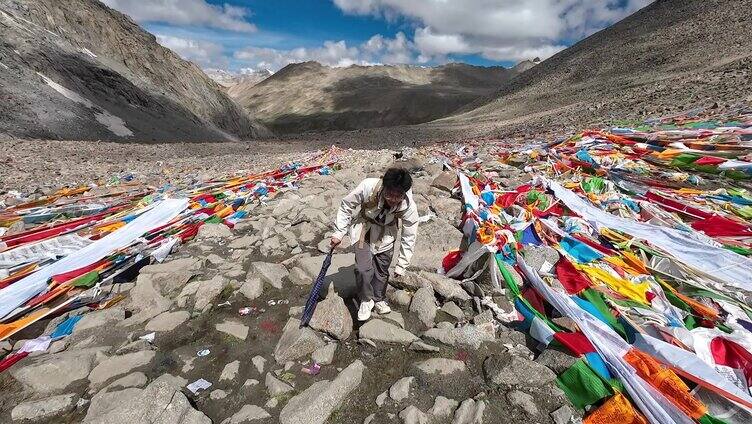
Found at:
<point>440,356</point>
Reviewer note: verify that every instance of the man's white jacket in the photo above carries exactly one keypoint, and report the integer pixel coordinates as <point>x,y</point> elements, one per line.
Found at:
<point>380,240</point>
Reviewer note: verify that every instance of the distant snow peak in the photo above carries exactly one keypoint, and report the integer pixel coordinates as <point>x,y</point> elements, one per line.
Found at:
<point>229,78</point>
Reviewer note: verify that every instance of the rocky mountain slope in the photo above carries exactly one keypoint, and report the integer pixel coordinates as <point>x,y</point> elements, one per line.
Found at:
<point>310,96</point>
<point>670,56</point>
<point>229,79</point>
<point>79,70</point>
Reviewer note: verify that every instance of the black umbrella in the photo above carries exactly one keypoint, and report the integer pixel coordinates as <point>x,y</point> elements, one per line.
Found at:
<point>313,298</point>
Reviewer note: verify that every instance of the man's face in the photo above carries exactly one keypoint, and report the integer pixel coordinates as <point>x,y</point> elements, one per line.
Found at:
<point>393,197</point>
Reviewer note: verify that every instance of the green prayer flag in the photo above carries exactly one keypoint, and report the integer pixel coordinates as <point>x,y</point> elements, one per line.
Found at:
<point>582,385</point>
<point>709,419</point>
<point>87,280</point>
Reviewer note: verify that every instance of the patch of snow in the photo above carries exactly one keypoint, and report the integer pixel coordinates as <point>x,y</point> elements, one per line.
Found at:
<point>87,51</point>
<point>113,123</point>
<point>4,65</point>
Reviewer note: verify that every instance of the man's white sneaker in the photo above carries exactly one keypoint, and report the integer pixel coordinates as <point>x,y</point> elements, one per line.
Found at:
<point>382,308</point>
<point>364,312</point>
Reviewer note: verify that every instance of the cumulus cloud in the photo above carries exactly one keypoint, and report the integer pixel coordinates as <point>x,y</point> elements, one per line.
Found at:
<point>378,49</point>
<point>496,29</point>
<point>186,12</point>
<point>204,53</point>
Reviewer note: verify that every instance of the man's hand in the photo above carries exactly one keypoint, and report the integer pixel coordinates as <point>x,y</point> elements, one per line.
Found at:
<point>334,242</point>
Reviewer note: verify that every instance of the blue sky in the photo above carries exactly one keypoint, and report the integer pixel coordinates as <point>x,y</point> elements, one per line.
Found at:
<point>252,34</point>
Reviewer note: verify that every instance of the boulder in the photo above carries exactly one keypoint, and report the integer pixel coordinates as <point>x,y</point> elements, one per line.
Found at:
<point>509,370</point>
<point>247,413</point>
<point>383,331</point>
<point>230,371</point>
<point>394,317</point>
<point>446,287</point>
<point>118,365</point>
<point>443,407</point>
<point>324,355</point>
<point>134,379</point>
<point>332,316</point>
<point>167,321</point>
<point>435,238</point>
<point>53,373</point>
<point>424,305</point>
<point>207,291</point>
<point>259,362</point>
<point>317,402</point>
<point>448,209</point>
<point>400,297</point>
<point>401,388</point>
<point>454,311</point>
<point>419,346</point>
<point>233,328</point>
<point>269,273</point>
<point>160,402</point>
<point>413,415</point>
<point>217,394</point>
<point>244,242</point>
<point>94,319</point>
<point>445,181</point>
<point>524,401</point>
<point>446,336</point>
<point>213,231</point>
<point>43,409</point>
<point>305,269</point>
<point>440,366</point>
<point>275,386</point>
<point>296,342</point>
<point>555,360</point>
<point>252,288</point>
<point>473,336</point>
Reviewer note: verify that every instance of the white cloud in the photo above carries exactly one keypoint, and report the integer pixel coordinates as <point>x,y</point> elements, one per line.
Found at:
<point>186,12</point>
<point>496,29</point>
<point>204,53</point>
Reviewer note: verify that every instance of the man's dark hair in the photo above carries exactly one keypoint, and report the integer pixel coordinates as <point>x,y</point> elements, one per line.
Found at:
<point>397,179</point>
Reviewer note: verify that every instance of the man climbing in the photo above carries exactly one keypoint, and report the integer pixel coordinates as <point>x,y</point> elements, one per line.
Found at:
<point>384,203</point>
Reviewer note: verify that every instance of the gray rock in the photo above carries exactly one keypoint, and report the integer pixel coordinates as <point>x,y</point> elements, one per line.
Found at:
<point>246,414</point>
<point>555,360</point>
<point>480,409</point>
<point>324,355</point>
<point>160,402</point>
<point>436,238</point>
<point>207,291</point>
<point>524,401</point>
<point>308,267</point>
<point>419,346</point>
<point>252,288</point>
<point>542,258</point>
<point>483,317</point>
<point>134,346</point>
<point>213,231</point>
<point>118,365</point>
<point>215,259</point>
<point>167,321</point>
<point>473,336</point>
<point>443,407</point>
<point>217,394</point>
<point>101,318</point>
<point>315,404</point>
<point>448,209</point>
<point>508,370</point>
<point>270,273</point>
<point>251,382</point>
<point>401,388</point>
<point>332,316</point>
<point>59,345</point>
<point>413,415</point>
<point>276,387</point>
<point>259,362</point>
<point>441,335</point>
<point>424,305</point>
<point>450,308</point>
<point>562,415</point>
<point>441,366</point>
<point>383,331</point>
<point>233,328</point>
<point>445,287</point>
<point>296,311</point>
<point>134,379</point>
<point>272,403</point>
<point>381,398</point>
<point>445,325</point>
<point>395,317</point>
<point>369,419</point>
<point>400,297</point>
<point>172,266</point>
<point>243,242</point>
<point>42,409</point>
<point>53,373</point>
<point>296,342</point>
<point>230,371</point>
<point>445,181</point>
<point>465,413</point>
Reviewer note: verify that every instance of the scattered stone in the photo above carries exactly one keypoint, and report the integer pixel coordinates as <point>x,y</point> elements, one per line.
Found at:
<point>315,404</point>
<point>424,305</point>
<point>445,181</point>
<point>230,371</point>
<point>445,325</point>
<point>324,355</point>
<point>42,409</point>
<point>367,342</point>
<point>381,398</point>
<point>555,360</point>
<point>542,258</point>
<point>270,273</point>
<point>276,387</point>
<point>332,316</point>
<point>465,413</point>
<point>251,382</point>
<point>450,308</point>
<point>213,231</point>
<point>252,288</point>
<point>401,388</point>
<point>369,419</point>
<point>233,328</point>
<point>441,366</point>
<point>167,321</point>
<point>118,365</point>
<point>296,311</point>
<point>259,362</point>
<point>160,402</point>
<point>101,318</point>
<point>508,370</point>
<point>296,342</point>
<point>134,346</point>
<point>448,209</point>
<point>134,379</point>
<point>207,291</point>
<point>484,317</point>
<point>413,415</point>
<point>247,413</point>
<point>443,407</point>
<point>383,331</point>
<point>524,401</point>
<point>436,237</point>
<point>419,346</point>
<point>243,242</point>
<point>394,317</point>
<point>400,297</point>
<point>217,394</point>
<point>442,335</point>
<point>59,345</point>
<point>473,336</point>
<point>445,287</point>
<point>272,403</point>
